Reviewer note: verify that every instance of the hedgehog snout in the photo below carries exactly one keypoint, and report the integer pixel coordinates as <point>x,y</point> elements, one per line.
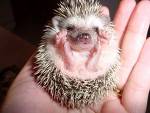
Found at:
<point>84,38</point>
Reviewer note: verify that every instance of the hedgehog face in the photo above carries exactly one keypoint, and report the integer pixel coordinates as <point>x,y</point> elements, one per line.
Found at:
<point>82,32</point>
<point>83,21</point>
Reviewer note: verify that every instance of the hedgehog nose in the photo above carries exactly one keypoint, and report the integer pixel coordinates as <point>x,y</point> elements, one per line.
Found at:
<point>84,37</point>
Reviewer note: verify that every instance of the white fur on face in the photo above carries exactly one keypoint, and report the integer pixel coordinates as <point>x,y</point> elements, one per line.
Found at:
<point>86,22</point>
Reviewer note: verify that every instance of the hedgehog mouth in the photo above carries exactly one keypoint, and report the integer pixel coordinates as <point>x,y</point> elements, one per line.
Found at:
<point>81,42</point>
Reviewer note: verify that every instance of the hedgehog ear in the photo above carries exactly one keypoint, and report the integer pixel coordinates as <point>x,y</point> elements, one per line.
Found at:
<point>56,21</point>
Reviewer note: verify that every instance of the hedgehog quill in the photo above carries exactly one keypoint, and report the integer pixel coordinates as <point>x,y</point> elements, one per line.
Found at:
<point>78,57</point>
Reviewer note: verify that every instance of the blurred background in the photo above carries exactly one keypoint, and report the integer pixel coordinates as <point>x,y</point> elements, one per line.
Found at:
<point>21,26</point>
<point>27,18</point>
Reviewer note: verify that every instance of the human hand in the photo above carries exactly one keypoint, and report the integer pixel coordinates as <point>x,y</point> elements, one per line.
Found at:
<point>132,22</point>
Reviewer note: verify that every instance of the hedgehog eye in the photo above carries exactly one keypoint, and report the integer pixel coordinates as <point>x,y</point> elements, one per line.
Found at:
<point>96,29</point>
<point>70,28</point>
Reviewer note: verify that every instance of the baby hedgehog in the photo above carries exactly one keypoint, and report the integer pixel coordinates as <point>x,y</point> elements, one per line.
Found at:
<point>78,57</point>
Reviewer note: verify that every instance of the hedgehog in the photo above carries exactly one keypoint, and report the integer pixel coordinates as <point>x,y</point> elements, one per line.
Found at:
<point>78,58</point>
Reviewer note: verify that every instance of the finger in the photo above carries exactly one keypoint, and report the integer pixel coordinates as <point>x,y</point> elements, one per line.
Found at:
<point>122,16</point>
<point>136,91</point>
<point>113,106</point>
<point>134,38</point>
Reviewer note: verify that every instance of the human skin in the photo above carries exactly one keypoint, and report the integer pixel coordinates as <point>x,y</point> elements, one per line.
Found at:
<point>131,21</point>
